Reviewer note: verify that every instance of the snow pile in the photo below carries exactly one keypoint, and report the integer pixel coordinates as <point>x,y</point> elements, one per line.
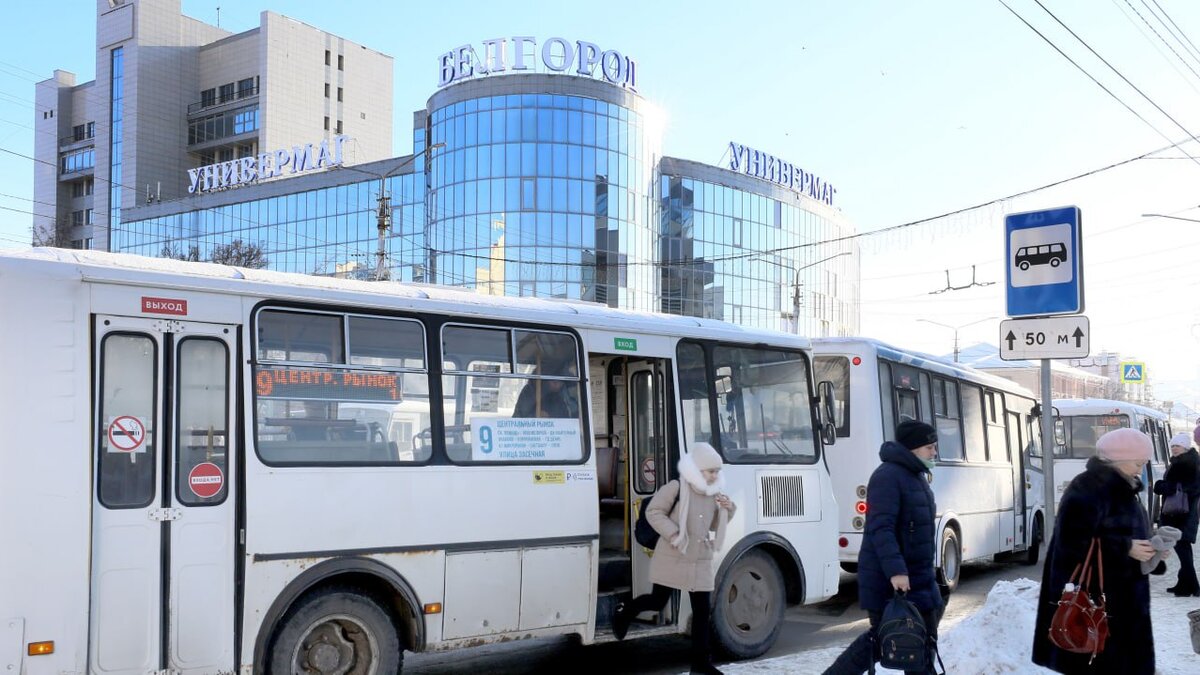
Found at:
<point>998,638</point>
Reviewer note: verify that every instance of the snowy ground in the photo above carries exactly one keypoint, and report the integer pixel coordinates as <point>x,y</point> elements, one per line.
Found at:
<point>998,637</point>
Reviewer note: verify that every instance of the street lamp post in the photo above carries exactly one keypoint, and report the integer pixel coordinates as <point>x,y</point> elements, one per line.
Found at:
<point>795,319</point>
<point>956,329</point>
<point>383,213</point>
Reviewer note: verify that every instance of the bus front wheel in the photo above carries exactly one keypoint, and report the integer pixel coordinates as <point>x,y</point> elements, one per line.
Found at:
<point>748,606</point>
<point>337,630</point>
<point>951,567</point>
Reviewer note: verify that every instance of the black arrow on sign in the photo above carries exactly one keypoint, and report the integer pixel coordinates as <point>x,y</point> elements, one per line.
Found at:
<point>1078,335</point>
<point>1011,339</point>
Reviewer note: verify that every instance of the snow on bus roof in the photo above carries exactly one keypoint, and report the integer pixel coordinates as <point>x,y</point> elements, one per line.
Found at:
<point>102,266</point>
<point>922,360</point>
<point>1105,405</point>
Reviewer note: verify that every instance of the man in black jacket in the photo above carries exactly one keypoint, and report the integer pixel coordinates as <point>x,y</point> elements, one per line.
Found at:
<point>899,540</point>
<point>1183,475</point>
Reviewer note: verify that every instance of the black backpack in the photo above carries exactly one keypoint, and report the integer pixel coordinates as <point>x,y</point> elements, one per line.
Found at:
<point>645,533</point>
<point>903,642</point>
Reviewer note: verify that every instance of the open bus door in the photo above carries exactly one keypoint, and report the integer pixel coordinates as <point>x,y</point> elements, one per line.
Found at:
<point>163,546</point>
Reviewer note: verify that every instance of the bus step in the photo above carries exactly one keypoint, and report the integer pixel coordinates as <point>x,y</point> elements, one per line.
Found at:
<point>614,570</point>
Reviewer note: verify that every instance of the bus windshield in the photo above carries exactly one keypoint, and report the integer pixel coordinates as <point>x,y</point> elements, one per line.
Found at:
<point>1085,429</point>
<point>763,405</point>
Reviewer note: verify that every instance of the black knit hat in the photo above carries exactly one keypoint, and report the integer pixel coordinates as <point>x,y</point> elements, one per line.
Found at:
<point>913,434</point>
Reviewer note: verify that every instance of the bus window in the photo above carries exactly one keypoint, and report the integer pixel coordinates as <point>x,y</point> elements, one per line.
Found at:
<point>766,414</point>
<point>885,401</point>
<point>127,381</point>
<point>203,424</point>
<point>972,421</point>
<point>538,378</point>
<point>693,394</point>
<point>926,402</point>
<point>999,449</point>
<point>946,419</point>
<point>1083,430</point>
<point>836,370</point>
<point>318,407</point>
<point>299,336</point>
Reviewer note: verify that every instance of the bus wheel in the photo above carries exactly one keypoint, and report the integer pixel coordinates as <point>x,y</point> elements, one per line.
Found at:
<point>1035,543</point>
<point>1024,265</point>
<point>951,561</point>
<point>748,606</point>
<point>336,631</point>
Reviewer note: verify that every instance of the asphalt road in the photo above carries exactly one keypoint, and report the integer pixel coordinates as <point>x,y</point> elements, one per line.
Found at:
<point>831,623</point>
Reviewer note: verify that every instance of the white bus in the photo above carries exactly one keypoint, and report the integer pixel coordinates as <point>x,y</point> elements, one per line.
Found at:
<point>247,471</point>
<point>988,492</point>
<point>1080,422</point>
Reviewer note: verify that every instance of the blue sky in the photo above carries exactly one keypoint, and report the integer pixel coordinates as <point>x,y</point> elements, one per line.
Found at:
<point>911,109</point>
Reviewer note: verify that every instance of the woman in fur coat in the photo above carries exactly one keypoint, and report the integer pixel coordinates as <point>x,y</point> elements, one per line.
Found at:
<point>685,512</point>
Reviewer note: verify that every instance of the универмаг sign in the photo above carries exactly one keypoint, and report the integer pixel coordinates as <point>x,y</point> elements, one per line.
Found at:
<point>768,167</point>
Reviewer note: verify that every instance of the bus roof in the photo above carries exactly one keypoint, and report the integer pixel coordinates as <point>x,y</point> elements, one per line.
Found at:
<point>1104,406</point>
<point>127,269</point>
<point>922,360</point>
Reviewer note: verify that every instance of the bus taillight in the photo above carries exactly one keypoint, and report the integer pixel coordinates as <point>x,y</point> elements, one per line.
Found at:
<point>843,542</point>
<point>860,507</point>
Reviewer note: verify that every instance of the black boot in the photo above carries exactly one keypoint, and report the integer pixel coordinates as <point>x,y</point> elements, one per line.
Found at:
<point>621,619</point>
<point>705,669</point>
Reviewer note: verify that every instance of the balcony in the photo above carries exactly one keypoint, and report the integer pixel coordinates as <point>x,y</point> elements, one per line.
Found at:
<point>218,101</point>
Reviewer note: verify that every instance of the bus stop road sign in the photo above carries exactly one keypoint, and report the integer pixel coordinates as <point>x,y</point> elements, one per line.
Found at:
<point>1044,272</point>
<point>1059,337</point>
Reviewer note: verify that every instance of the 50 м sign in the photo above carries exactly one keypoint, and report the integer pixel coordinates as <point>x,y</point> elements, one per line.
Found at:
<point>1061,337</point>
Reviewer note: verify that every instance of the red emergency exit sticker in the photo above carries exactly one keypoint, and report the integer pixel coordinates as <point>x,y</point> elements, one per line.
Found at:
<point>173,306</point>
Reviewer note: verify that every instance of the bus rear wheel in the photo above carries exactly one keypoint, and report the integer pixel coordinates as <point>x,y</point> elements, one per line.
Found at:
<point>336,631</point>
<point>951,567</point>
<point>748,606</point>
<point>1035,543</point>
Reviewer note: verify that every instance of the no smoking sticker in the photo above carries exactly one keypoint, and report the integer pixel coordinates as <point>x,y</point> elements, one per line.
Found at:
<point>648,471</point>
<point>126,434</point>
<point>206,480</point>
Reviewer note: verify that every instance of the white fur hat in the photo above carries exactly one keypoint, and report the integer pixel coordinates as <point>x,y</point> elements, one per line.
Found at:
<point>705,456</point>
<point>1182,440</point>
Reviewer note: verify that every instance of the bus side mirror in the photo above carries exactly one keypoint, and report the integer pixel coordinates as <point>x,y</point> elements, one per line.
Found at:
<point>1060,433</point>
<point>825,398</point>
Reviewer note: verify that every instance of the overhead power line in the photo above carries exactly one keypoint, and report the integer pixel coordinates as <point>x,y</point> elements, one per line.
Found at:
<point>1116,70</point>
<point>1083,70</point>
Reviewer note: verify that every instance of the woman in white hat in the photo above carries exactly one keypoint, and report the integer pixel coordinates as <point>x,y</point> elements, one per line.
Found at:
<point>1183,475</point>
<point>690,516</point>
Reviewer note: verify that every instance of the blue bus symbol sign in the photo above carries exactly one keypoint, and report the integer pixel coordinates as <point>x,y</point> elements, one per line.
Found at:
<point>1044,267</point>
<point>1133,372</point>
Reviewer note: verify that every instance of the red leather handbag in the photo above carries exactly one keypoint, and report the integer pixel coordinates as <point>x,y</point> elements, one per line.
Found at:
<point>1080,625</point>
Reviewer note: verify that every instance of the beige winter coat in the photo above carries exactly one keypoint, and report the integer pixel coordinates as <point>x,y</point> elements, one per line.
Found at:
<point>692,569</point>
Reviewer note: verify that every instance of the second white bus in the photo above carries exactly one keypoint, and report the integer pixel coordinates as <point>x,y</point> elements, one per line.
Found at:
<point>988,492</point>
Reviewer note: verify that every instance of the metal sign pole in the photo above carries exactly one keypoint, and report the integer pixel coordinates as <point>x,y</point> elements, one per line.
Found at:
<point>1048,451</point>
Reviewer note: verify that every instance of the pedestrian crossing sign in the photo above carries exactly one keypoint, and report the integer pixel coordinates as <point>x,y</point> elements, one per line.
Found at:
<point>1133,372</point>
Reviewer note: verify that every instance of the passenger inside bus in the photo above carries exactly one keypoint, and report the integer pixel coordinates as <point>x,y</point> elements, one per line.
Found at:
<point>546,398</point>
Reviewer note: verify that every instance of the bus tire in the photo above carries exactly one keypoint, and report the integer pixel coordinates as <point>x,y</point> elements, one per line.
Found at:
<point>748,606</point>
<point>1035,543</point>
<point>336,630</point>
<point>951,568</point>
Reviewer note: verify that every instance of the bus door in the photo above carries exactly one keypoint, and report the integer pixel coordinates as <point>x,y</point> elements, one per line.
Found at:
<point>162,578</point>
<point>1019,479</point>
<point>652,447</point>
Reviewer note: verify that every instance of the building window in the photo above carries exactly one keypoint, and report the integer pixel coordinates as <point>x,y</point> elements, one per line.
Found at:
<point>326,57</point>
<point>77,189</point>
<point>82,244</point>
<point>78,160</point>
<point>341,62</point>
<point>208,97</point>
<point>326,90</point>
<point>77,219</point>
<point>226,92</point>
<point>338,129</point>
<point>339,93</point>
<point>327,123</point>
<point>225,154</point>
<point>245,150</point>
<point>80,130</point>
<point>220,125</point>
<point>246,88</point>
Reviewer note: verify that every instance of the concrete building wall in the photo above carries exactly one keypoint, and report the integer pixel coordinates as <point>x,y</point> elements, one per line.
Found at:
<point>55,106</point>
<point>293,102</point>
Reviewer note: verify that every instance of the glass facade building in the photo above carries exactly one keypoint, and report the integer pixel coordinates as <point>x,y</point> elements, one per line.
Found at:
<point>542,185</point>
